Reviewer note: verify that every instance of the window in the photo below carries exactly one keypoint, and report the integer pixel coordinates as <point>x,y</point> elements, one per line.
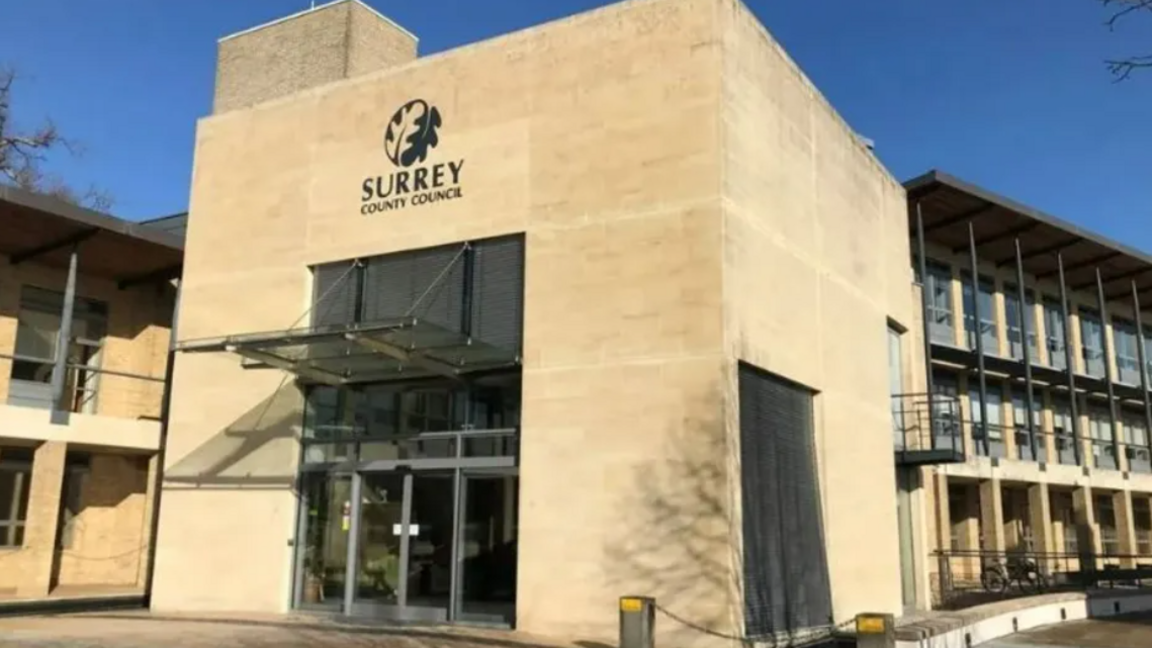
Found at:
<point>1092,342</point>
<point>1054,333</point>
<point>1012,314</point>
<point>896,385</point>
<point>1100,433</point>
<point>1142,520</point>
<point>1063,512</point>
<point>38,327</point>
<point>946,411</point>
<point>15,479</point>
<point>1147,352</point>
<point>1136,438</point>
<point>1106,519</point>
<point>1020,423</point>
<point>1127,354</point>
<point>1064,430</point>
<point>988,332</point>
<point>938,289</point>
<point>994,430</point>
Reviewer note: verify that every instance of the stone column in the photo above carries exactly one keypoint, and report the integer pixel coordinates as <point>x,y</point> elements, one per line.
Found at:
<point>43,517</point>
<point>1125,526</point>
<point>1040,520</point>
<point>1087,533</point>
<point>146,525</point>
<point>992,515</point>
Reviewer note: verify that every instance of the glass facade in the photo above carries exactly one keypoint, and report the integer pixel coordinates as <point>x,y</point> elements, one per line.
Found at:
<point>1092,343</point>
<point>1127,354</point>
<point>993,429</point>
<point>1012,314</point>
<point>987,325</point>
<point>938,288</point>
<point>1054,334</point>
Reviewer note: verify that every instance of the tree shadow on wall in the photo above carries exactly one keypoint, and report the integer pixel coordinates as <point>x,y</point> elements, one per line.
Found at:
<point>256,450</point>
<point>678,543</point>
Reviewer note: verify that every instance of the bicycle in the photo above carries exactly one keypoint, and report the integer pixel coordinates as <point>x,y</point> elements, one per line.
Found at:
<point>999,576</point>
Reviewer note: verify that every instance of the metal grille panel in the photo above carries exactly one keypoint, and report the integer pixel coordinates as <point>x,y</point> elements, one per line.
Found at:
<point>427,284</point>
<point>498,292</point>
<point>334,294</point>
<point>786,587</point>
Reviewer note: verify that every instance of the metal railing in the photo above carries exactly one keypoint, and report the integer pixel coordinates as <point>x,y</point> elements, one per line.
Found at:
<point>89,388</point>
<point>926,423</point>
<point>963,578</point>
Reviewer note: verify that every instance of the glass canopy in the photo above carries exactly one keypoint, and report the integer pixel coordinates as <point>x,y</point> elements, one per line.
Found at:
<point>356,353</point>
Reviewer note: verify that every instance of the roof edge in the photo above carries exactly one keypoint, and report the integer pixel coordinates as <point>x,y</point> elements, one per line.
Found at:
<point>85,216</point>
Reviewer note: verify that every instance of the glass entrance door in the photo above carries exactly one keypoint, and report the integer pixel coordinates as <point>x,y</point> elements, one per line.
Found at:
<point>431,545</point>
<point>404,554</point>
<point>487,547</point>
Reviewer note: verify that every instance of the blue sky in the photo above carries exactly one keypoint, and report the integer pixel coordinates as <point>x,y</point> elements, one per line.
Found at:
<point>1010,95</point>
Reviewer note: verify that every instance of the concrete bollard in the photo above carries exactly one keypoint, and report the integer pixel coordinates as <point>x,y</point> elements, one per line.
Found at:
<point>875,631</point>
<point>637,622</point>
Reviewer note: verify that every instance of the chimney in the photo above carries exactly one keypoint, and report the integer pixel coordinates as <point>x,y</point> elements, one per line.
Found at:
<point>338,40</point>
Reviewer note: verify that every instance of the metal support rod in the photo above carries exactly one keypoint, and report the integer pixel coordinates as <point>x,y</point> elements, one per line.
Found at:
<point>60,412</point>
<point>1070,367</point>
<point>979,338</point>
<point>1143,355</point>
<point>358,273</point>
<point>469,288</point>
<point>924,296</point>
<point>1026,350</point>
<point>1108,355</point>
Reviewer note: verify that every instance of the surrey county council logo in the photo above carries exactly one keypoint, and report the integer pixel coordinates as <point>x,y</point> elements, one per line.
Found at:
<point>411,134</point>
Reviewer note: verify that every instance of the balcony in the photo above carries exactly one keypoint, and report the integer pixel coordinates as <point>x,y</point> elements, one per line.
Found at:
<point>927,430</point>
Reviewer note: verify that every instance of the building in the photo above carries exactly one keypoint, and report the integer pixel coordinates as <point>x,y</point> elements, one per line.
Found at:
<point>502,334</point>
<point>1037,352</point>
<point>85,312</point>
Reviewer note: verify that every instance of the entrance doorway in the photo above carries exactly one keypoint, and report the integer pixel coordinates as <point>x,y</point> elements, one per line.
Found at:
<point>433,545</point>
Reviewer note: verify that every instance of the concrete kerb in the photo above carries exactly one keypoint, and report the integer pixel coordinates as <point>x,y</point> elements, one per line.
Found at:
<point>984,623</point>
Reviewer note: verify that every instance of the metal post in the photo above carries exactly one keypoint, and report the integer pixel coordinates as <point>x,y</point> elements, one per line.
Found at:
<point>1143,355</point>
<point>60,414</point>
<point>979,338</point>
<point>1070,367</point>
<point>358,271</point>
<point>637,622</point>
<point>1108,355</point>
<point>927,327</point>
<point>405,540</point>
<point>469,287</point>
<point>1027,351</point>
<point>351,567</point>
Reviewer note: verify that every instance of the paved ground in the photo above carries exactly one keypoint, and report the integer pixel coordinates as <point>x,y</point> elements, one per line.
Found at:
<point>139,630</point>
<point>1118,632</point>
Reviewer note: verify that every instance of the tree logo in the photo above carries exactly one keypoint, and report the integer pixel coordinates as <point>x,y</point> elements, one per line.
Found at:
<point>411,133</point>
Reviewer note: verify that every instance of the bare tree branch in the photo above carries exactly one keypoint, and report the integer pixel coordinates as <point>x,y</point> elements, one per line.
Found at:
<point>1123,68</point>
<point>1127,7</point>
<point>23,153</point>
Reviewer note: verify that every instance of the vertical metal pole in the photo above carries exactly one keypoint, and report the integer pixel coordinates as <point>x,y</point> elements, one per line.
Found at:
<point>1027,351</point>
<point>1069,360</point>
<point>351,568</point>
<point>924,296</point>
<point>59,413</point>
<point>469,287</point>
<point>1143,355</point>
<point>1108,355</point>
<point>358,272</point>
<point>458,486</point>
<point>405,545</point>
<point>979,338</point>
